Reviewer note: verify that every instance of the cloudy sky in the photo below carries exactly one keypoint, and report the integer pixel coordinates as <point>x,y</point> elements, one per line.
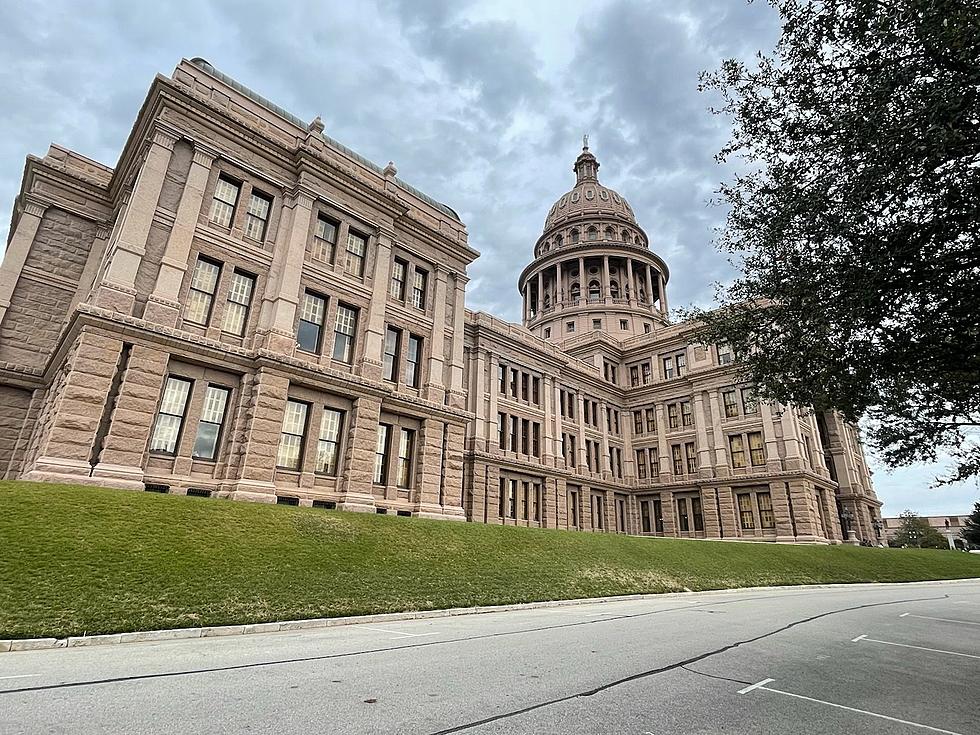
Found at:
<point>480,104</point>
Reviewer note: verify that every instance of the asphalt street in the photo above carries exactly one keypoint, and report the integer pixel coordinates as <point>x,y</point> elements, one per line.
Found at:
<point>869,659</point>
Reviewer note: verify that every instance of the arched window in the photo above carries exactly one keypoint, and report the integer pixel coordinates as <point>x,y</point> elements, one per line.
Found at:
<point>547,300</point>
<point>614,289</point>
<point>576,291</point>
<point>557,241</point>
<point>592,233</point>
<point>609,233</point>
<point>626,236</point>
<point>594,291</point>
<point>643,295</point>
<point>574,235</point>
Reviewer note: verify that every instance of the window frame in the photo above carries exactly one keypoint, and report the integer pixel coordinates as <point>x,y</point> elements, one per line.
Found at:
<point>220,424</point>
<point>324,303</point>
<point>301,453</point>
<point>251,217</point>
<point>343,339</point>
<point>208,295</point>
<point>182,416</point>
<point>217,200</point>
<point>335,441</point>
<point>246,307</point>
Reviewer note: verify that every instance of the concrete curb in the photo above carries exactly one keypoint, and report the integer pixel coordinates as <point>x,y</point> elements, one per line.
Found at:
<point>35,644</point>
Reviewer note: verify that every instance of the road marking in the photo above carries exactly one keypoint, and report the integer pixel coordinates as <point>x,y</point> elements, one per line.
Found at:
<point>965,602</point>
<point>20,676</point>
<point>396,632</point>
<point>944,620</point>
<point>761,686</point>
<point>918,648</point>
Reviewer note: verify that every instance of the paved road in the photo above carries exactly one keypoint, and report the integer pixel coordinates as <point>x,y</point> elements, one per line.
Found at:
<point>889,659</point>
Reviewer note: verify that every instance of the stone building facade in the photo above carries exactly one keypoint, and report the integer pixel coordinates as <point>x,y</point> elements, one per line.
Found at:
<point>245,308</point>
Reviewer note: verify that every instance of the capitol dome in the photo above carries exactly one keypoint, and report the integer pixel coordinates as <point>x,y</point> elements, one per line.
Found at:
<point>588,198</point>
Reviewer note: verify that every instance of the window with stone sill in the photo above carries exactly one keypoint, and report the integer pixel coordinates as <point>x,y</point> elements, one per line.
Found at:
<point>647,373</point>
<point>745,516</point>
<point>356,254</point>
<point>223,204</point>
<point>592,234</point>
<point>200,295</point>
<point>623,323</point>
<point>239,301</point>
<point>310,328</point>
<point>731,405</point>
<point>691,457</point>
<point>678,459</point>
<point>399,274</point>
<point>673,417</point>
<point>575,236</point>
<point>170,416</point>
<point>725,354</point>
<point>651,415</point>
<point>324,240</point>
<point>392,346</point>
<point>750,404</point>
<point>682,518</point>
<point>687,418</point>
<point>637,422</point>
<point>413,361</point>
<point>346,327</point>
<point>766,517</point>
<point>757,453</point>
<point>419,284</point>
<point>569,326</point>
<point>641,464</point>
<point>381,454</point>
<point>290,453</point>
<point>406,451</point>
<point>212,418</point>
<point>697,514</point>
<point>328,445</point>
<point>737,451</point>
<point>257,216</point>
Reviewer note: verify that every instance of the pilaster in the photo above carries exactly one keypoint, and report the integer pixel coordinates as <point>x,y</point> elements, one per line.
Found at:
<point>435,388</point>
<point>18,249</point>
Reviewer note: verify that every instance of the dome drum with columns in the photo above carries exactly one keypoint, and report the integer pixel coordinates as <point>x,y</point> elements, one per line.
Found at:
<point>592,267</point>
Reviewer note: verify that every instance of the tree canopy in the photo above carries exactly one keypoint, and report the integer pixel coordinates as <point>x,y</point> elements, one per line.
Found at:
<point>971,527</point>
<point>855,218</point>
<point>916,533</point>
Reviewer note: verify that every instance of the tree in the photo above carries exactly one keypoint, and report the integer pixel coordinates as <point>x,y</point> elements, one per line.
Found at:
<point>971,528</point>
<point>916,532</point>
<point>855,221</point>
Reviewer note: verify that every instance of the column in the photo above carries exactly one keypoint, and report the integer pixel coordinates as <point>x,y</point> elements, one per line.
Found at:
<point>118,288</point>
<point>804,508</point>
<point>701,418</point>
<point>630,282</point>
<point>773,463</point>
<point>494,390</point>
<point>650,294</point>
<point>457,396</point>
<point>792,441</point>
<point>579,401</point>
<point>605,278</point>
<point>549,450</point>
<point>667,508</point>
<point>435,389</point>
<point>662,285</point>
<point>583,280</point>
<point>721,454</point>
<point>91,270</point>
<point>560,286</point>
<point>478,402</point>
<point>261,426</point>
<point>162,306</point>
<point>607,473</point>
<point>666,463</point>
<point>18,248</point>
<point>362,441</point>
<point>539,301</point>
<point>428,475</point>
<point>709,509</point>
<point>783,512</point>
<point>277,321</point>
<point>374,334</point>
<point>729,516</point>
<point>556,417</point>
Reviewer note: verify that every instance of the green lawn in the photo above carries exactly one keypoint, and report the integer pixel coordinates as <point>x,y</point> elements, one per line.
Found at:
<point>79,560</point>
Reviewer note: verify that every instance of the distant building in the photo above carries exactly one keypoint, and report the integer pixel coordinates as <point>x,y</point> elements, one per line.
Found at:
<point>245,308</point>
<point>948,526</point>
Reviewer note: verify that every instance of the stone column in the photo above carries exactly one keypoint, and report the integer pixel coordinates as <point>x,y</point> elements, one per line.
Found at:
<point>91,270</point>
<point>579,402</point>
<point>374,333</point>
<point>729,517</point>
<point>721,454</point>
<point>358,482</point>
<point>605,278</point>
<point>559,285</point>
<point>701,430</point>
<point>709,510</point>
<point>630,282</point>
<point>428,476</point>
<point>832,525</point>
<point>583,280</point>
<point>550,448</point>
<point>18,248</point>
<point>457,396</point>
<point>662,286</point>
<point>792,440</point>
<point>804,510</point>
<point>258,437</point>
<point>277,321</point>
<point>666,462</point>
<point>539,301</point>
<point>783,513</point>
<point>478,396</point>
<point>773,463</point>
<point>492,433</point>
<point>435,388</point>
<point>606,471</point>
<point>650,293</point>
<point>118,288</point>
<point>667,507</point>
<point>133,416</point>
<point>162,305</point>
<point>452,472</point>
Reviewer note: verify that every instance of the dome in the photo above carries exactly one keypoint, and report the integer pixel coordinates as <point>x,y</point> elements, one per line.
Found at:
<point>588,198</point>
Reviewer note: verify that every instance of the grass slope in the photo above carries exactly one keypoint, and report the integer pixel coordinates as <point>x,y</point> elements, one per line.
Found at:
<point>79,560</point>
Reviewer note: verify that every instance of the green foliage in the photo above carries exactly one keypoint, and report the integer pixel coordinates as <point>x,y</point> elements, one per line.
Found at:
<point>971,528</point>
<point>915,532</point>
<point>855,220</point>
<point>84,559</point>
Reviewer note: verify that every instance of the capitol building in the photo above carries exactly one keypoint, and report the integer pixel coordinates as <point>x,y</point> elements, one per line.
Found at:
<point>244,308</point>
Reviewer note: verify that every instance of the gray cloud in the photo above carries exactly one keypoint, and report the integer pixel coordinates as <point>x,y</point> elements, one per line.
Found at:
<point>480,104</point>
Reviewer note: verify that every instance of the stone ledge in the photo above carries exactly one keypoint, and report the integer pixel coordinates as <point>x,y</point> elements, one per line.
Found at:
<point>34,644</point>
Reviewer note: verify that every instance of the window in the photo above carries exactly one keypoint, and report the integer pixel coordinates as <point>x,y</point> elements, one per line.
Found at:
<point>594,291</point>
<point>691,457</point>
<point>525,435</point>
<point>209,428</point>
<point>766,518</point>
<point>526,498</point>
<point>356,248</point>
<point>536,391</point>
<point>737,449</point>
<point>609,233</point>
<point>644,516</point>
<point>697,513</point>
<point>749,403</point>
<point>502,378</point>
<point>324,240</point>
<point>331,425</point>
<point>535,439</point>
<point>525,385</point>
<point>515,431</point>
<point>645,367</point>
<point>745,517</point>
<point>412,361</point>
<point>257,216</point>
<point>682,517</point>
<point>514,380</point>
<point>381,454</point>
<point>170,418</point>
<point>672,417</point>
<point>668,368</point>
<point>681,360</point>
<point>647,328</point>
<point>393,338</point>
<point>223,204</point>
<point>310,322</point>
<point>573,506</point>
<point>687,418</point>
<point>575,291</point>
<point>725,354</point>
<point>592,233</point>
<point>418,288</point>
<point>502,430</point>
<point>757,454</point>
<point>200,296</point>
<point>547,332</point>
<point>597,324</point>
<point>634,375</point>
<point>239,299</point>
<point>624,324</point>
<point>731,405</point>
<point>569,326</point>
<point>641,464</point>
<point>651,420</point>
<point>654,462</point>
<point>291,440</point>
<point>575,236</point>
<point>399,272</point>
<point>637,422</point>
<point>512,499</point>
<point>343,344</point>
<point>406,448</point>
<point>678,459</point>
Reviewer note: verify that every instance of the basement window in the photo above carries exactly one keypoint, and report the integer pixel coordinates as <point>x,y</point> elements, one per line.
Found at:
<point>381,511</point>
<point>286,500</point>
<point>153,488</point>
<point>405,513</point>
<point>198,492</point>
<point>325,504</point>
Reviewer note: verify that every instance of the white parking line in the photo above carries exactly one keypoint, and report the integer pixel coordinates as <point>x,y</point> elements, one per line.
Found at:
<point>395,632</point>
<point>761,686</point>
<point>944,620</point>
<point>20,676</point>
<point>907,645</point>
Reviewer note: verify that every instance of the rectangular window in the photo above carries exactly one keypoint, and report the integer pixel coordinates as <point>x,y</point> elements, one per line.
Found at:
<point>651,420</point>
<point>757,454</point>
<point>413,361</point>
<point>419,282</point>
<point>212,417</point>
<point>356,250</point>
<point>535,439</point>
<point>697,514</point>
<point>681,364</point>
<point>512,499</point>
<point>239,299</point>
<point>687,418</point>
<point>645,368</point>
<point>637,422</point>
<point>331,424</point>
<point>731,405</point>
<point>406,448</point>
<point>673,419</point>
<point>641,464</point>
<point>291,440</point>
<point>678,459</point>
<point>658,516</point>
<point>525,385</point>
<point>399,272</point>
<point>393,338</point>
<point>502,430</point>
<point>597,324</point>
<point>645,516</point>
<point>634,375</point>
<point>745,517</point>
<point>223,205</point>
<point>525,435</point>
<point>515,430</point>
<point>654,462</point>
<point>525,499</point>
<point>725,354</point>
<point>343,344</point>
<point>737,449</point>
<point>324,240</point>
<point>310,326</point>
<point>682,517</point>
<point>381,454</point>
<point>668,368</point>
<point>766,518</point>
<point>536,391</point>
<point>573,506</point>
<point>513,382</point>
<point>257,216</point>
<point>624,324</point>
<point>749,403</point>
<point>502,379</point>
<point>692,458</point>
<point>200,296</point>
<point>569,326</point>
<point>170,418</point>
